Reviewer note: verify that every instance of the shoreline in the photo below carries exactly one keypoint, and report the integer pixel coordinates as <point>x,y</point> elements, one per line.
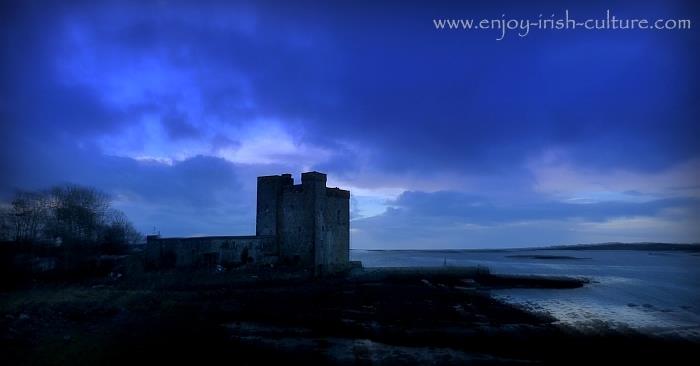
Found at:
<point>259,317</point>
<point>452,275</point>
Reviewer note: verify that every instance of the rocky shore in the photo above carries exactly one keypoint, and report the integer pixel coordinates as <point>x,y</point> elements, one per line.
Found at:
<point>390,316</point>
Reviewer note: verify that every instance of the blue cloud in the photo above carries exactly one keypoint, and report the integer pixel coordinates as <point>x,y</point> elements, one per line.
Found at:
<point>484,211</point>
<point>367,92</point>
<point>447,220</point>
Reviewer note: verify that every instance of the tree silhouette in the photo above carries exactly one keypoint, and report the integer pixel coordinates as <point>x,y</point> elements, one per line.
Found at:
<point>67,214</point>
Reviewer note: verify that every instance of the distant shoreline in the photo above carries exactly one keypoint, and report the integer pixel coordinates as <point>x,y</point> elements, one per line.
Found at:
<point>554,257</point>
<point>602,246</point>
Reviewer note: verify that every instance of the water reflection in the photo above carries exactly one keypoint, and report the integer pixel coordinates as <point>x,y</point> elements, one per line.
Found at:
<point>653,292</point>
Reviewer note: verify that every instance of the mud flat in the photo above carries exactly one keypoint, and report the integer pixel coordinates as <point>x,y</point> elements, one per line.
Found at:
<point>452,275</point>
<point>397,316</point>
<point>545,257</point>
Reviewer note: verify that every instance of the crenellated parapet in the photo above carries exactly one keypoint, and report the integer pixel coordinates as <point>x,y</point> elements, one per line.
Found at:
<point>305,225</point>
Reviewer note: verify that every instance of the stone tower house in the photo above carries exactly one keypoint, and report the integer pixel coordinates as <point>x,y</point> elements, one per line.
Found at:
<point>304,225</point>
<point>310,221</point>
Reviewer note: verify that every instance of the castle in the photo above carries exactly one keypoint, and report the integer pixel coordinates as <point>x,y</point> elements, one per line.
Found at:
<point>305,225</point>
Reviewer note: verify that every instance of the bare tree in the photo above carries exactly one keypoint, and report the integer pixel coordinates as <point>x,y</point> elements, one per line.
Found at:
<point>119,233</point>
<point>81,219</point>
<point>6,224</point>
<point>27,216</point>
<point>77,213</point>
<point>70,214</point>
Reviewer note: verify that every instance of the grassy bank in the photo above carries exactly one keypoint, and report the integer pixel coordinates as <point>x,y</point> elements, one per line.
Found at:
<point>261,317</point>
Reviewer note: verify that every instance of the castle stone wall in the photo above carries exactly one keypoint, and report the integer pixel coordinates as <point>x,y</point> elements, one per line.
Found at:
<point>306,225</point>
<point>210,251</point>
<point>296,228</point>
<point>336,229</point>
<point>269,210</point>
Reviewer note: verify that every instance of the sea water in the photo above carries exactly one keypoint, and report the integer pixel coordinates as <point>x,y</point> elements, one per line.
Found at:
<point>655,292</point>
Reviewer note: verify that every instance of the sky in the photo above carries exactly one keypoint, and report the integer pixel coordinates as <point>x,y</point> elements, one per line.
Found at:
<point>445,138</point>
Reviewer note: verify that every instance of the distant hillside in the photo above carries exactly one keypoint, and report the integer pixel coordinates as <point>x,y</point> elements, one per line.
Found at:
<point>629,246</point>
<point>695,247</point>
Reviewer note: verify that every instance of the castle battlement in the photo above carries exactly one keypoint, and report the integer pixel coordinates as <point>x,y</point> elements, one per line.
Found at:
<point>305,225</point>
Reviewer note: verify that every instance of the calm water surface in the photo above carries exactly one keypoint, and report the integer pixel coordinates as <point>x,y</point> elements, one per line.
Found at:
<point>653,292</point>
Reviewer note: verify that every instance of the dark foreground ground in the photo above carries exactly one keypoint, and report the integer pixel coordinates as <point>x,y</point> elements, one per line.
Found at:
<point>237,318</point>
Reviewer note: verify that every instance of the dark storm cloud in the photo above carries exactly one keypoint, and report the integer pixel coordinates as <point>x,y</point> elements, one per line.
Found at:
<point>422,220</point>
<point>33,101</point>
<point>177,127</point>
<point>379,76</point>
<point>204,192</point>
<point>484,211</point>
<point>487,104</point>
<point>373,83</point>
